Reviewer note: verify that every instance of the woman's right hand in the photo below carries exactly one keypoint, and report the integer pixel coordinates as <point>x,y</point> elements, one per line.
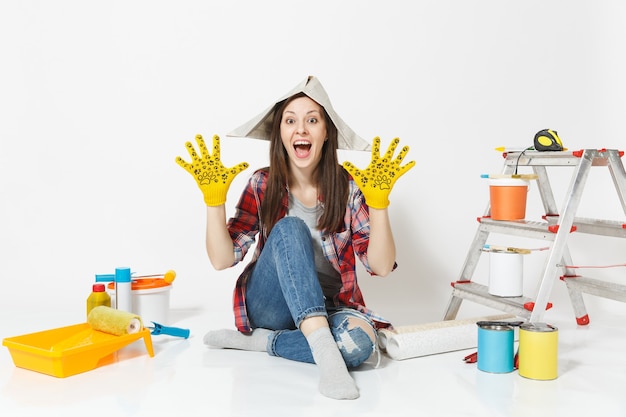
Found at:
<point>212,177</point>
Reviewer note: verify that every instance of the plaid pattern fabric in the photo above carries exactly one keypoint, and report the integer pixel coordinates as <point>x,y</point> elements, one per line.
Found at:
<point>340,249</point>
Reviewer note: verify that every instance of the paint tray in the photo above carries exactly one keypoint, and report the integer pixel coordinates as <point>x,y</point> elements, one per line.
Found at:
<point>69,350</point>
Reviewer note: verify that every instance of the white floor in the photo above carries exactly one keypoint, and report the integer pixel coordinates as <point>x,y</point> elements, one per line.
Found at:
<point>186,378</point>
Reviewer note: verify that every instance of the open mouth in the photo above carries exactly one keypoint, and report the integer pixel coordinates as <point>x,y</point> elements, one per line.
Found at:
<point>302,148</point>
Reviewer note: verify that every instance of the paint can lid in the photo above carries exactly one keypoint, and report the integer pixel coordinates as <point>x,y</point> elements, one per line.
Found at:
<point>538,327</point>
<point>145,284</point>
<point>490,325</point>
<point>508,182</point>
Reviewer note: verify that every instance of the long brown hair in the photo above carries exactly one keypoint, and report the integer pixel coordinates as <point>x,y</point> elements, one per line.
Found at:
<point>330,177</point>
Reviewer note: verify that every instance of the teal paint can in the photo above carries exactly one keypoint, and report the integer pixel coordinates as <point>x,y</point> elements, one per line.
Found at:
<point>495,348</point>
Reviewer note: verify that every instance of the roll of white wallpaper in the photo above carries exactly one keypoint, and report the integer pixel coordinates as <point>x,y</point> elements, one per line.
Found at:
<point>404,342</point>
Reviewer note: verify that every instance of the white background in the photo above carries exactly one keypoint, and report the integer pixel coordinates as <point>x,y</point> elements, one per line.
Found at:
<point>98,98</point>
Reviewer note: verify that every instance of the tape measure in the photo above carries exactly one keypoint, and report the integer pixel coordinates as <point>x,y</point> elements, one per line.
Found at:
<point>548,140</point>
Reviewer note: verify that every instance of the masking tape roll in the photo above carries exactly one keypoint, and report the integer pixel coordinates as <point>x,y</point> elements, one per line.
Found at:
<point>112,321</point>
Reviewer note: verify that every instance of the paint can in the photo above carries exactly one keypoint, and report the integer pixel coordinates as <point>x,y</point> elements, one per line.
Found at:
<point>150,299</point>
<point>538,351</point>
<point>506,274</point>
<point>507,198</point>
<point>495,347</point>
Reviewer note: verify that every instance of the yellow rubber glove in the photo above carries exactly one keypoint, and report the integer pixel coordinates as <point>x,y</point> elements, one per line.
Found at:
<point>212,177</point>
<point>377,180</point>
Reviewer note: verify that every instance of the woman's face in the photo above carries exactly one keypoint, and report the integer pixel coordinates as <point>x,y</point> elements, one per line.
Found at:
<point>303,132</point>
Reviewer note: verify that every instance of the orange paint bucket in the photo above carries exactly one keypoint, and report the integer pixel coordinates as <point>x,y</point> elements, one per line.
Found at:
<point>508,198</point>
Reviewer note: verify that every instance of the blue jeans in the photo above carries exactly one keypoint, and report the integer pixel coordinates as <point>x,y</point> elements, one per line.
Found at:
<point>283,289</point>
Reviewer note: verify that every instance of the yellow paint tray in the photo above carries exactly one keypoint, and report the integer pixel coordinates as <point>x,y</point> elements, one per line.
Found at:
<point>69,350</point>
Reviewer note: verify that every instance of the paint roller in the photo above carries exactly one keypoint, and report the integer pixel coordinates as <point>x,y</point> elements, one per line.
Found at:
<point>405,342</point>
<point>118,323</point>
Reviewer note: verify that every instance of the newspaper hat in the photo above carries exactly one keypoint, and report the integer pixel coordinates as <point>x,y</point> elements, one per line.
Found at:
<point>260,126</point>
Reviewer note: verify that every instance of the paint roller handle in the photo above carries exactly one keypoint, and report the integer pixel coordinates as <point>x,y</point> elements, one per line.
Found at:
<point>171,331</point>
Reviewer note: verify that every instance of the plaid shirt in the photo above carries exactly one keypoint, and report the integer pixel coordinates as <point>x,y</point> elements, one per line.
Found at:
<point>340,249</point>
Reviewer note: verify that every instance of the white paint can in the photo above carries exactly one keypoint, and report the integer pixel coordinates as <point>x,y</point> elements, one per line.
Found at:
<point>506,273</point>
<point>150,299</point>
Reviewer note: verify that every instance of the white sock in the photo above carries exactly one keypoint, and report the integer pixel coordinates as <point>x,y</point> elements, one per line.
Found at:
<point>234,339</point>
<point>335,380</point>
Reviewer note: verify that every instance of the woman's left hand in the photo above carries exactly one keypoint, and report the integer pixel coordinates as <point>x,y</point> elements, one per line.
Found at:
<point>377,180</point>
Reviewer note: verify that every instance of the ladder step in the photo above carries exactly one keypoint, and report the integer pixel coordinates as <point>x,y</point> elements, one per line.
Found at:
<point>479,293</point>
<point>596,287</point>
<point>524,228</point>
<point>547,230</point>
<point>598,157</point>
<point>600,227</point>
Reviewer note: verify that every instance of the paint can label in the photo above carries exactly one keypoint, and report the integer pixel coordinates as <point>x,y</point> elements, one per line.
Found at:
<point>538,351</point>
<point>495,348</point>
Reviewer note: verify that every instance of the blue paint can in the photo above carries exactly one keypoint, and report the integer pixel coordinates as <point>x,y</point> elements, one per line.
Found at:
<point>495,348</point>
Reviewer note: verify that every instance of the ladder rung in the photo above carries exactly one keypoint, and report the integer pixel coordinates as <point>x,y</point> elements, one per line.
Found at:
<point>523,228</point>
<point>535,158</point>
<point>599,157</point>
<point>600,227</point>
<point>596,287</point>
<point>479,293</point>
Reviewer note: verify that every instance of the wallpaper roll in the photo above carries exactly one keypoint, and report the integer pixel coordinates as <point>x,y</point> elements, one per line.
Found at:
<point>406,342</point>
<point>112,321</point>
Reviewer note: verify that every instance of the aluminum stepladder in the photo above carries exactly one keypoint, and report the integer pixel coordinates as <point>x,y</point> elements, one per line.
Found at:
<point>555,227</point>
